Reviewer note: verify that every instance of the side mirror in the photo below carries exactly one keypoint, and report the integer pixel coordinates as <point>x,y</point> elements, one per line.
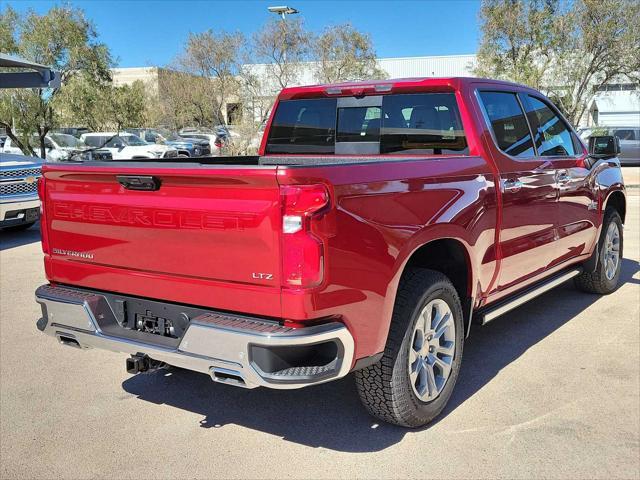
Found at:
<point>604,146</point>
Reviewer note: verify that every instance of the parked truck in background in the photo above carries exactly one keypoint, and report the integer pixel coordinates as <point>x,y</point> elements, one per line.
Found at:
<point>379,220</point>
<point>19,203</point>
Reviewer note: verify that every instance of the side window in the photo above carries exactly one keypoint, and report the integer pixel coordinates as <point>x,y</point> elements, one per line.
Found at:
<point>552,136</point>
<point>508,123</point>
<point>115,142</point>
<point>626,134</point>
<point>94,141</point>
<point>426,123</point>
<point>303,126</point>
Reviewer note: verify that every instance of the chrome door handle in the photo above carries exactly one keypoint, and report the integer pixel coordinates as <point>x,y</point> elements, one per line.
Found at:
<point>563,177</point>
<point>511,185</point>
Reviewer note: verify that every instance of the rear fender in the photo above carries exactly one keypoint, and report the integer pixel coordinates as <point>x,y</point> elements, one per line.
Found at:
<point>423,238</point>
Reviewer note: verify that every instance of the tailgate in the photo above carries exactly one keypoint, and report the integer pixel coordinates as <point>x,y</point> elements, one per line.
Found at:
<point>207,226</point>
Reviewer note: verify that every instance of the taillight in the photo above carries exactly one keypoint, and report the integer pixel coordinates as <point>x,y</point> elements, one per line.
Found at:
<point>302,251</point>
<point>43,220</point>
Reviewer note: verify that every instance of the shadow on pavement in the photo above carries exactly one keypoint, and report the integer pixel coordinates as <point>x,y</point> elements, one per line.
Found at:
<point>330,415</point>
<point>11,239</point>
<point>494,346</point>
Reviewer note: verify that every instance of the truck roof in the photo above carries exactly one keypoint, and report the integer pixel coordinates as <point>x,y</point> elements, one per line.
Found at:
<point>387,85</point>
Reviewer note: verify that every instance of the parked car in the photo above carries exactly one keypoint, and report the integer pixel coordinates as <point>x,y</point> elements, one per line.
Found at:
<point>186,147</point>
<point>74,131</point>
<point>9,147</point>
<point>629,141</point>
<point>124,146</point>
<point>217,139</point>
<point>19,203</point>
<point>379,220</point>
<point>60,147</point>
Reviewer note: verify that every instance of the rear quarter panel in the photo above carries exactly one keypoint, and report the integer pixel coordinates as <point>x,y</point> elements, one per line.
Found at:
<point>381,213</point>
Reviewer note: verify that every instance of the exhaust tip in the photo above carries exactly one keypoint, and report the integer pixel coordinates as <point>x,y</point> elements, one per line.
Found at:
<point>223,375</point>
<point>68,340</point>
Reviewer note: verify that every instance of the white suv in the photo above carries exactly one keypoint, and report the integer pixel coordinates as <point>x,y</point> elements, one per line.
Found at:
<point>124,146</point>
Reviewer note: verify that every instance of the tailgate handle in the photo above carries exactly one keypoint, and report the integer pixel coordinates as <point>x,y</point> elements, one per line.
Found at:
<point>139,182</point>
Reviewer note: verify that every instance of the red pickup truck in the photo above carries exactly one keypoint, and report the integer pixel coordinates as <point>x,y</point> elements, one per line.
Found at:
<point>377,222</point>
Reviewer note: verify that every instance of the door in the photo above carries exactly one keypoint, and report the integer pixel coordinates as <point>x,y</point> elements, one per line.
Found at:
<point>528,185</point>
<point>577,212</point>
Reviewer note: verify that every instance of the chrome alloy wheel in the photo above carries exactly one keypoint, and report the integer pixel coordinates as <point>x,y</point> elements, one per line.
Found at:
<point>432,349</point>
<point>611,251</point>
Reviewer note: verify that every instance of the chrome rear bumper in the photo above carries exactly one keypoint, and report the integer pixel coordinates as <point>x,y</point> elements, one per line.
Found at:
<point>7,205</point>
<point>230,348</point>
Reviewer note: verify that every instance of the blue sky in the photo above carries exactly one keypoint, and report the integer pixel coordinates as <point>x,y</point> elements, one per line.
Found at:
<point>142,33</point>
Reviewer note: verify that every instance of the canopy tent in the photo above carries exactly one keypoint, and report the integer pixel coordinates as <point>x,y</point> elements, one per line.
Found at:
<point>40,76</point>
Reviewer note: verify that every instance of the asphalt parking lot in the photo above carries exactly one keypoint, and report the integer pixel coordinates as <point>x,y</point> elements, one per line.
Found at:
<point>550,390</point>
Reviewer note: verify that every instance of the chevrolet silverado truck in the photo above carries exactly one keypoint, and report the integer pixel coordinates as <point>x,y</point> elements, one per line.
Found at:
<point>378,221</point>
<point>19,202</point>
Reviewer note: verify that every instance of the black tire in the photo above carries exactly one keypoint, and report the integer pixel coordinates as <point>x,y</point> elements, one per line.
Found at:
<point>19,228</point>
<point>385,388</point>
<point>597,281</point>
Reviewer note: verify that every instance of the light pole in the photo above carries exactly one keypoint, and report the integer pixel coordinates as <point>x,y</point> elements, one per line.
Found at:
<point>283,11</point>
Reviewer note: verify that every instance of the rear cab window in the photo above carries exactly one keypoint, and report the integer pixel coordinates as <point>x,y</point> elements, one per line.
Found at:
<point>303,126</point>
<point>426,123</point>
<point>421,123</point>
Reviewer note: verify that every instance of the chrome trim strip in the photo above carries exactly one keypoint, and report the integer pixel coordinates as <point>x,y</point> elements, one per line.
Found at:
<point>520,300</point>
<point>205,346</point>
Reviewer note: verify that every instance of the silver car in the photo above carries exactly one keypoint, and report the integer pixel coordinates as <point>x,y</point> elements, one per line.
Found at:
<point>629,141</point>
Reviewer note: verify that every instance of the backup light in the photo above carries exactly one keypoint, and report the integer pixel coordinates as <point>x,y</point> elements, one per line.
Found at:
<point>302,250</point>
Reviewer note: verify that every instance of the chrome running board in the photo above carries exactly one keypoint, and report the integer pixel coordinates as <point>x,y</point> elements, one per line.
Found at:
<point>503,306</point>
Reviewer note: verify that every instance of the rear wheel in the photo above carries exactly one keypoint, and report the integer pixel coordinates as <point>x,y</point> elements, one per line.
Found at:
<point>604,279</point>
<point>413,381</point>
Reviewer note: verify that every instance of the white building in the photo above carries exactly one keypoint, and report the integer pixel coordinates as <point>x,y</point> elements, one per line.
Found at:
<point>401,67</point>
<point>617,106</point>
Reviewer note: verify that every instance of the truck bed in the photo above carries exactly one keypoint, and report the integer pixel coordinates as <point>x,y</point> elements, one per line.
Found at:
<point>256,160</point>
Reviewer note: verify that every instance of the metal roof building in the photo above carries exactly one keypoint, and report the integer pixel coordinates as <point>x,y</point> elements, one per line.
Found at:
<point>607,108</point>
<point>400,67</point>
<point>616,109</point>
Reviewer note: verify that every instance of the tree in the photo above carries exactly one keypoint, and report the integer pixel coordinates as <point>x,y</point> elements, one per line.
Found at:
<point>282,45</point>
<point>62,39</point>
<point>214,58</point>
<point>343,53</point>
<point>82,102</point>
<point>8,26</point>
<point>566,49</point>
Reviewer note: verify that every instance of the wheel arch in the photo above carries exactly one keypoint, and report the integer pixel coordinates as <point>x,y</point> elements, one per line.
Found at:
<point>618,201</point>
<point>449,255</point>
